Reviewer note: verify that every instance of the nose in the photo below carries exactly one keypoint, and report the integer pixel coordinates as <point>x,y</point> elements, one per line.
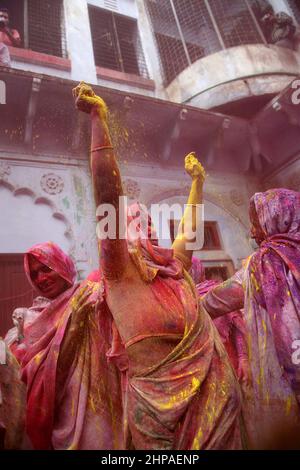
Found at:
<point>41,277</point>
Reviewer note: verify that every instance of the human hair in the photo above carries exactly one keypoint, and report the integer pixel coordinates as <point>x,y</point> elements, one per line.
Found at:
<point>4,10</point>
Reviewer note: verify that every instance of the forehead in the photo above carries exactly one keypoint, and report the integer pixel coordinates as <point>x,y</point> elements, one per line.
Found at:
<point>34,263</point>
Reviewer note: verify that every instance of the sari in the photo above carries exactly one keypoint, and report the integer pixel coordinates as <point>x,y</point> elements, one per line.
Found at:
<point>72,393</point>
<point>12,404</point>
<point>272,307</point>
<point>268,287</point>
<point>189,399</point>
<point>231,327</point>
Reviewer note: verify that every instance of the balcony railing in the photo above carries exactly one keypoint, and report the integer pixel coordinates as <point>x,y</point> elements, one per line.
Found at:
<point>187,30</point>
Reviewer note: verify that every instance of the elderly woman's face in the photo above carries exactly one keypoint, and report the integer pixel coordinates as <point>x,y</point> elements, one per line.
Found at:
<point>49,283</point>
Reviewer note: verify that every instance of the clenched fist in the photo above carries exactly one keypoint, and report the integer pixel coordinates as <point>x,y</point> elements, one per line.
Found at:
<point>86,100</point>
<point>193,167</point>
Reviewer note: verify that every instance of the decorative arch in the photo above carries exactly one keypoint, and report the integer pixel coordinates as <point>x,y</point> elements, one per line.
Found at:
<point>42,200</point>
<point>233,230</point>
<point>184,193</point>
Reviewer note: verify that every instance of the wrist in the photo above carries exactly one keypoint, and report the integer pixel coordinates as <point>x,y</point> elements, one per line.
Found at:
<point>98,113</point>
<point>198,180</point>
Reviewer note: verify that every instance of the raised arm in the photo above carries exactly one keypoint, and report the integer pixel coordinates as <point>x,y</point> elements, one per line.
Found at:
<point>189,221</point>
<point>106,178</point>
<point>226,297</point>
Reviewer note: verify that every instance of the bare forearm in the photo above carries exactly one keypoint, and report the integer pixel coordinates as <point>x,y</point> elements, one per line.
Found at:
<point>107,184</point>
<point>188,224</point>
<point>225,298</point>
<point>107,190</point>
<point>195,198</point>
<point>105,170</point>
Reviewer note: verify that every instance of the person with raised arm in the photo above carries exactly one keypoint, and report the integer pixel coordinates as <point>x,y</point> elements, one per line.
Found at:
<point>180,391</point>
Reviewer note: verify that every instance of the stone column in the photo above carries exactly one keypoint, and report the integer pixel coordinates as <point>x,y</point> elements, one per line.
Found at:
<point>79,41</point>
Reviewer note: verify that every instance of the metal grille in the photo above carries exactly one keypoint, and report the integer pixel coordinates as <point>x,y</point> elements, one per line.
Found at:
<point>235,22</point>
<point>116,42</point>
<point>260,8</point>
<point>170,47</point>
<point>187,30</point>
<point>169,42</point>
<point>295,7</point>
<point>46,30</point>
<point>197,27</point>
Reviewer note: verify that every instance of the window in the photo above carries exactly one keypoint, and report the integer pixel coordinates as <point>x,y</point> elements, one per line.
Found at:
<point>235,22</point>
<point>211,235</point>
<point>116,42</point>
<point>216,273</point>
<point>40,24</point>
<point>187,30</point>
<point>184,35</point>
<point>46,27</point>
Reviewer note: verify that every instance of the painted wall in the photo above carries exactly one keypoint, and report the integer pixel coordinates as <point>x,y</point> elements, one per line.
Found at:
<point>48,200</point>
<point>44,200</point>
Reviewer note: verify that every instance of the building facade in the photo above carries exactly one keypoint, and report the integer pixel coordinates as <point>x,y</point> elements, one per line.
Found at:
<point>179,76</point>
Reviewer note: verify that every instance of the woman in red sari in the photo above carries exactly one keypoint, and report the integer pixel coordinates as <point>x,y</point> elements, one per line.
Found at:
<point>72,393</point>
<point>181,392</point>
<point>52,274</point>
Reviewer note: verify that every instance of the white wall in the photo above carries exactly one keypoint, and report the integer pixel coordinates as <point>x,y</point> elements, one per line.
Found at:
<point>79,41</point>
<point>24,223</point>
<point>124,7</point>
<point>29,213</point>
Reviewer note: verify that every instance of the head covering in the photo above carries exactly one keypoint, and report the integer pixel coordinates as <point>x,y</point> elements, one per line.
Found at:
<point>276,211</point>
<point>272,305</point>
<point>149,257</point>
<point>53,257</point>
<point>139,219</point>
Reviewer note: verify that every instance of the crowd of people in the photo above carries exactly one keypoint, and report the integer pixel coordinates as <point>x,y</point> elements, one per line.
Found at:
<point>145,353</point>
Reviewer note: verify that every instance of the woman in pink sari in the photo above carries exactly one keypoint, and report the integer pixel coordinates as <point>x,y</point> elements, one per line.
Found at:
<point>70,404</point>
<point>269,289</point>
<point>180,392</point>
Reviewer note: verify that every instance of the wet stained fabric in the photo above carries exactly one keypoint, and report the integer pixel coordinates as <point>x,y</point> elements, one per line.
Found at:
<point>190,399</point>
<point>73,399</point>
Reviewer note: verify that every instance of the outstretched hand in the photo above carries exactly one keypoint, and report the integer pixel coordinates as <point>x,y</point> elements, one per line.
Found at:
<point>193,167</point>
<point>86,100</point>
